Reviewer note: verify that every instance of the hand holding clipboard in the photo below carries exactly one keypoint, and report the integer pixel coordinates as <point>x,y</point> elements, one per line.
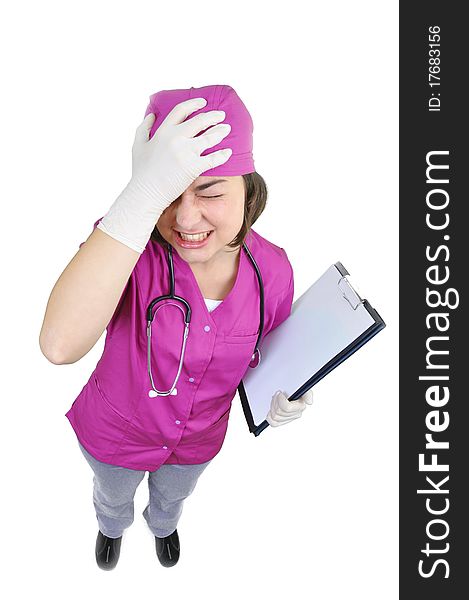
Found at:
<point>327,324</point>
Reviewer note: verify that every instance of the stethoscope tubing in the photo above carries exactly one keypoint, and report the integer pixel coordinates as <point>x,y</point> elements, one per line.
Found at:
<point>150,315</point>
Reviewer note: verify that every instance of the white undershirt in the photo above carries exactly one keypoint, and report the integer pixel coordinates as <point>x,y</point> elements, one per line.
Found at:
<point>212,304</point>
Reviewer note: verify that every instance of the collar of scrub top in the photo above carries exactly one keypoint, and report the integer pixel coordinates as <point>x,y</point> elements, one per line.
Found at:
<point>256,356</point>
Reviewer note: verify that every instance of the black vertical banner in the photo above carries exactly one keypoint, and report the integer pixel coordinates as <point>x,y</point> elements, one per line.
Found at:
<point>434,330</point>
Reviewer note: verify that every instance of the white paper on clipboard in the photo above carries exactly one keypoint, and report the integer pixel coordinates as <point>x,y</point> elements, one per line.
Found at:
<point>328,318</point>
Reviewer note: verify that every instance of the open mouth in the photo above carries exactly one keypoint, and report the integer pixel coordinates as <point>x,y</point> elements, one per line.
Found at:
<point>198,237</point>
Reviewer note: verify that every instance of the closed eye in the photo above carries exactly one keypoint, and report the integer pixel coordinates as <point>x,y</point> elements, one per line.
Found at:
<point>219,196</point>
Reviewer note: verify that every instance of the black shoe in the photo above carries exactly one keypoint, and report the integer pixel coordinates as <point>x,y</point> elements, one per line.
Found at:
<point>107,551</point>
<point>167,549</point>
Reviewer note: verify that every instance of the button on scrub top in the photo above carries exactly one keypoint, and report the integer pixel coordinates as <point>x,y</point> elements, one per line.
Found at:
<point>113,416</point>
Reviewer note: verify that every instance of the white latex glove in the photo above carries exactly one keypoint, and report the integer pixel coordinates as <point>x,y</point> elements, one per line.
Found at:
<point>163,167</point>
<point>283,411</point>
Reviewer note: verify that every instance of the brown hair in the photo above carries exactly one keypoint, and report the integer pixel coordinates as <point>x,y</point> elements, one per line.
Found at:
<point>255,199</point>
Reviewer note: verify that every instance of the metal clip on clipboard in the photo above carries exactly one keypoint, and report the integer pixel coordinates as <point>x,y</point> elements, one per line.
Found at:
<point>348,292</point>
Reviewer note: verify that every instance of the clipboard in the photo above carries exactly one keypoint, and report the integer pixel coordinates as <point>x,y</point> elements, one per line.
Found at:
<point>327,324</point>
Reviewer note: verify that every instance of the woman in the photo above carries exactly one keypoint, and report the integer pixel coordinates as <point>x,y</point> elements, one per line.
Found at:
<point>166,415</point>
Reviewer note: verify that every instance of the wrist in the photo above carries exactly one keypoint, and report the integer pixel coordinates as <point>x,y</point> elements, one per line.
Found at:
<point>143,197</point>
<point>132,217</point>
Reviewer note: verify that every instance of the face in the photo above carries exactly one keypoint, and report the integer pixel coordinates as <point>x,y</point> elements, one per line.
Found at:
<point>209,204</point>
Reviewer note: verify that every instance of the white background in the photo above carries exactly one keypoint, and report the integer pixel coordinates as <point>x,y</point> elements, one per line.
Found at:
<point>310,509</point>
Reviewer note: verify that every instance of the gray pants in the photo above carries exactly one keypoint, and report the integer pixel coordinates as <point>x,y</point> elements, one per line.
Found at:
<point>114,490</point>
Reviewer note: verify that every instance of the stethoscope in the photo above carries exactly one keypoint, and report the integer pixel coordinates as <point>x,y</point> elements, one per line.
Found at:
<point>186,311</point>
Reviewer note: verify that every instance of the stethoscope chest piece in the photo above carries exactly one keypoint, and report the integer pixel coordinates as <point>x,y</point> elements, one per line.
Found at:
<point>255,359</point>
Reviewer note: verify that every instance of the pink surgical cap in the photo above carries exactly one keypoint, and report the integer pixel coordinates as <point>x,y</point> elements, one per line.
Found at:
<point>219,97</point>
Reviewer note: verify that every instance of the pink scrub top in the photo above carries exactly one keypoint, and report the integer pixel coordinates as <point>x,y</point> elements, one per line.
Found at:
<point>113,416</point>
